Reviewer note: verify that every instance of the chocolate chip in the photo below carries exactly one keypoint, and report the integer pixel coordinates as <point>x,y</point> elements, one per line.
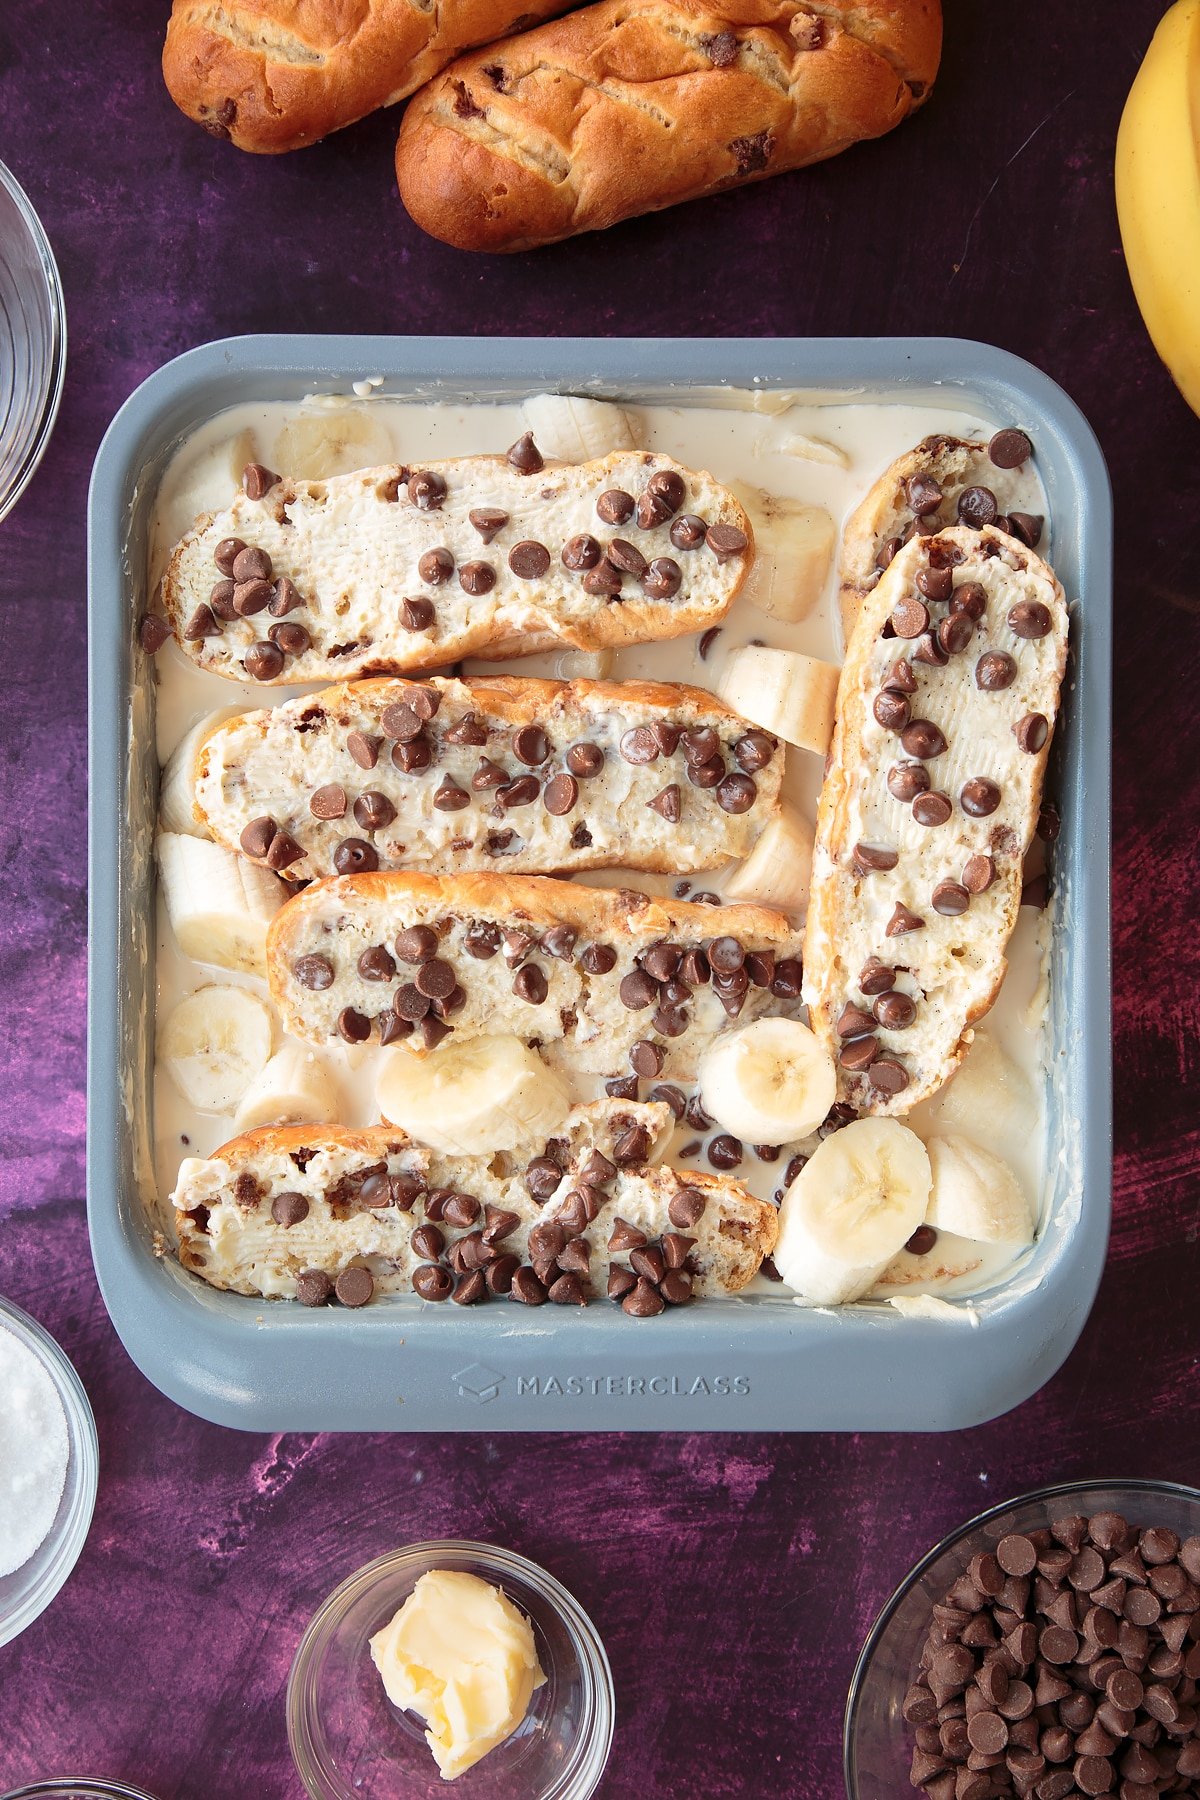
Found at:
<point>906,780</point>
<point>891,709</point>
<point>935,583</point>
<point>725,541</point>
<point>375,964</point>
<point>449,797</point>
<point>686,1208</point>
<point>257,480</point>
<point>887,552</point>
<point>605,578</point>
<point>1010,448</point>
<point>643,1301</point>
<point>250,597</point>
<point>978,874</point>
<point>669,804</point>
<point>373,811</point>
<point>522,791</point>
<point>530,745</point>
<point>598,959</point>
<point>724,1151</point>
<point>638,990</point>
<point>488,521</point>
<point>560,795</point>
<point>221,600</point>
<point>283,852</point>
<point>353,1026</point>
<point>153,632</point>
<point>889,1076</point>
<point>902,921</point>
<point>285,598</point>
<point>995,670</point>
<point>530,984</point>
<point>626,557</point>
<point>1027,528</point>
<point>663,578</point>
<point>529,560</point>
<point>858,1054</point>
<point>1030,619</point>
<point>736,794</point>
<point>436,566</point>
<point>950,899</point>
<point>315,972</point>
<point>668,486</point>
<point>527,1288</point>
<point>977,507</point>
<point>970,599</point>
<point>979,797</point>
<point>416,614</point>
<point>615,507</point>
<point>922,494</point>
<point>585,760</point>
<point>632,1147</point>
<point>932,808</point>
<point>426,489</point>
<point>922,738</point>
<point>640,745</point>
<point>929,652</point>
<point>313,1287</point>
<point>895,1011</point>
<point>954,633</point>
<point>754,750</point>
<point>257,837</point>
<point>354,856</point>
<point>870,859</point>
<point>289,1209</point>
<point>1031,732</point>
<point>646,1059</point>
<point>436,979</point>
<point>354,1286</point>
<point>432,1282</point>
<point>476,578</point>
<point>293,640</point>
<point>251,565</point>
<point>726,955</point>
<point>227,553</point>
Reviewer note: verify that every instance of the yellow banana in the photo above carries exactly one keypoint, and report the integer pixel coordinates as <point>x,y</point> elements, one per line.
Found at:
<point>1158,193</point>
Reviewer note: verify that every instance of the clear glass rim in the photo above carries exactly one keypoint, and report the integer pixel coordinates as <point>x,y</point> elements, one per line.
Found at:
<point>95,1787</point>
<point>67,1539</point>
<point>581,1776</point>
<point>57,368</point>
<point>1057,1490</point>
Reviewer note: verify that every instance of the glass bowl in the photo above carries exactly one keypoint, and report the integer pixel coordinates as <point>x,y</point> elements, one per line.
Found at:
<point>876,1742</point>
<point>29,1590</point>
<point>348,1739</point>
<point>33,340</point>
<point>81,1787</point>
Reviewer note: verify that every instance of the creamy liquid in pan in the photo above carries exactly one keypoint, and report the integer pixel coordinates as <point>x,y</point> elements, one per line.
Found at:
<point>738,444</point>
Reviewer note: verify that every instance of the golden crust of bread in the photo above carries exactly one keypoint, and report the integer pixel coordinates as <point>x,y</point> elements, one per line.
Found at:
<point>274,75</point>
<point>617,110</point>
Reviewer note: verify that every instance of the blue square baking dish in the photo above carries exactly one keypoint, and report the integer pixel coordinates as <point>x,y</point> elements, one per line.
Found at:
<point>757,1363</point>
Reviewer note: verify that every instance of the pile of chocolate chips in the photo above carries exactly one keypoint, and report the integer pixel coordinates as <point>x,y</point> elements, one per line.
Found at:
<point>1065,1661</point>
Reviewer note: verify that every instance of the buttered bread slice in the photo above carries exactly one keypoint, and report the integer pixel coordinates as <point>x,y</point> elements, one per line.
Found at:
<point>401,568</point>
<point>599,979</point>
<point>943,481</point>
<point>452,775</point>
<point>945,715</point>
<point>319,1212</point>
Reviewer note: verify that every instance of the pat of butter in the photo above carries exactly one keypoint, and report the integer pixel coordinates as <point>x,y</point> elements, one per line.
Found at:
<point>462,1655</point>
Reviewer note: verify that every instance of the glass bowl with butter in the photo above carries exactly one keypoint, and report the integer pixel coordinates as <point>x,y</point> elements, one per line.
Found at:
<point>400,1627</point>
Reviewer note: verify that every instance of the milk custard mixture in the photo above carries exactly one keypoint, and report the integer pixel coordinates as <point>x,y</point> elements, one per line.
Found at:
<point>670,960</point>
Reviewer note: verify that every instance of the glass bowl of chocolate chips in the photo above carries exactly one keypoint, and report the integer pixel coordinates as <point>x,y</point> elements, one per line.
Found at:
<point>1051,1648</point>
<point>33,340</point>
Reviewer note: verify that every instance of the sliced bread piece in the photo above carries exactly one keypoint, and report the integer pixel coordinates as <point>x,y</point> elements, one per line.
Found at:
<point>457,775</point>
<point>399,568</point>
<point>585,973</point>
<point>287,1211</point>
<point>946,712</point>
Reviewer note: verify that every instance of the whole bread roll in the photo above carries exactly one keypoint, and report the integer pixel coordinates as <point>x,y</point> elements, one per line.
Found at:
<point>623,108</point>
<point>275,75</point>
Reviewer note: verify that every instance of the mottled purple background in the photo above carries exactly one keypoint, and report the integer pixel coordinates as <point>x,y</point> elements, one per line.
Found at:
<point>732,1577</point>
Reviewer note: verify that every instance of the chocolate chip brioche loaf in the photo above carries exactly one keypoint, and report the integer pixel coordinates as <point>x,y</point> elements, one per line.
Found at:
<point>584,972</point>
<point>274,75</point>
<point>943,481</point>
<point>623,108</point>
<point>318,1211</point>
<point>395,569</point>
<point>458,775</point>
<point>946,710</point>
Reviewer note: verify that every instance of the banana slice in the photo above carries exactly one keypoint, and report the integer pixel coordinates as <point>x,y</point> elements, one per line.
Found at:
<point>769,1083</point>
<point>219,904</point>
<point>813,449</point>
<point>214,1044</point>
<point>785,692</point>
<point>489,1094</point>
<point>855,1203</point>
<point>988,1099</point>
<point>293,1089</point>
<point>177,786</point>
<point>583,665</point>
<point>975,1194</point>
<point>793,552</point>
<point>332,440</point>
<point>778,870</point>
<point>574,430</point>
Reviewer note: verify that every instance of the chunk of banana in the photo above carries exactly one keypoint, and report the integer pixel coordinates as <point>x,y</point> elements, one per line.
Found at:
<point>332,440</point>
<point>569,428</point>
<point>214,1044</point>
<point>988,1099</point>
<point>778,870</point>
<point>489,1094</point>
<point>219,904</point>
<point>771,1082</point>
<point>294,1088</point>
<point>785,692</point>
<point>177,785</point>
<point>975,1194</point>
<point>793,554</point>
<point>855,1203</point>
<point>813,449</point>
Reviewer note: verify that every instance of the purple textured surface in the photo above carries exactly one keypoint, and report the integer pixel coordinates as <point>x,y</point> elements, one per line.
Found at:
<point>732,1577</point>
